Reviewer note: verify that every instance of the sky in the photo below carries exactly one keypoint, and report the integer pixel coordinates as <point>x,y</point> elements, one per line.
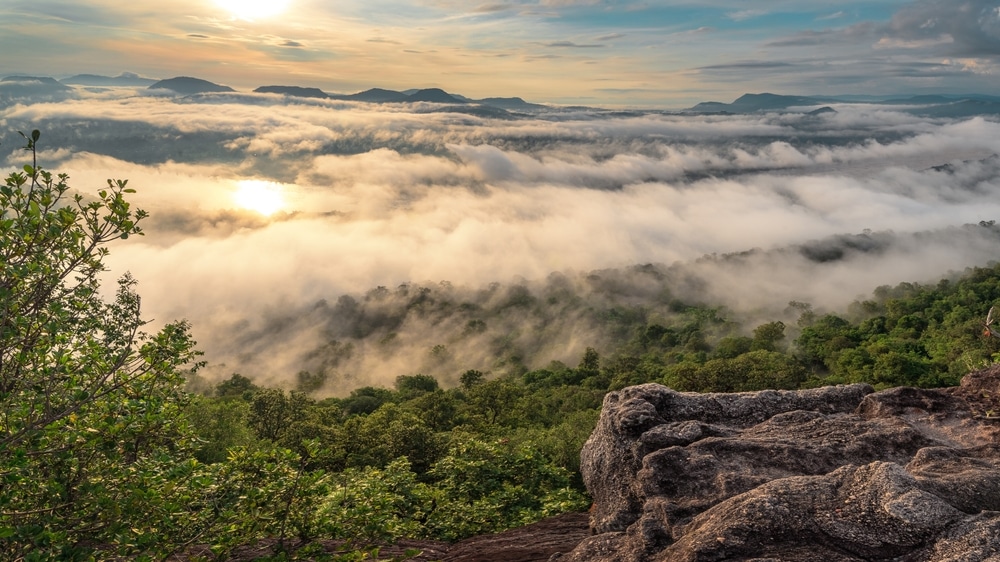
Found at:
<point>609,53</point>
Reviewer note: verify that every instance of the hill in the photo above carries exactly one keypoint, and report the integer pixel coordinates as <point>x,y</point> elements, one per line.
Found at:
<point>187,85</point>
<point>49,84</point>
<point>514,104</point>
<point>924,105</point>
<point>14,88</point>
<point>125,79</point>
<point>295,91</point>
<point>375,95</point>
<point>431,95</point>
<point>434,95</point>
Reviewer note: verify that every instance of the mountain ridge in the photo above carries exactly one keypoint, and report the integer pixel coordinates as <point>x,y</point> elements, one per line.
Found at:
<point>924,105</point>
<point>934,105</point>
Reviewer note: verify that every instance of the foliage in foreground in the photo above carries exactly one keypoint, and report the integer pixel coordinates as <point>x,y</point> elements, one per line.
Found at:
<point>91,432</point>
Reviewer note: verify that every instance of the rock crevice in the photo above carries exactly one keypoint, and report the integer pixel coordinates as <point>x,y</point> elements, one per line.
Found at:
<point>827,474</point>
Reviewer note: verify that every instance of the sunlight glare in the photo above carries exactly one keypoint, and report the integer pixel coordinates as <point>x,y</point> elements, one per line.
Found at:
<point>263,197</point>
<point>253,9</point>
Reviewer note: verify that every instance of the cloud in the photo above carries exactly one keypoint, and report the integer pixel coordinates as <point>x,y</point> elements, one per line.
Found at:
<point>833,16</point>
<point>493,8</point>
<point>743,65</point>
<point>383,195</point>
<point>572,45</point>
<point>743,15</point>
<point>964,28</point>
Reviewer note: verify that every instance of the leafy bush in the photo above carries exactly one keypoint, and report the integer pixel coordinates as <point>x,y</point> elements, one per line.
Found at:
<point>485,487</point>
<point>91,425</point>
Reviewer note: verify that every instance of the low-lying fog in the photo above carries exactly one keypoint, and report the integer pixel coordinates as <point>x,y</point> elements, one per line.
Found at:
<point>263,206</point>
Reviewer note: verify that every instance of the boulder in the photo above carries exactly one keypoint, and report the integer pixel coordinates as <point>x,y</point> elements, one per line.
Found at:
<point>840,473</point>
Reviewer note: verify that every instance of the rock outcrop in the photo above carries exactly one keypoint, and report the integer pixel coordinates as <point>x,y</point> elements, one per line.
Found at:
<point>830,474</point>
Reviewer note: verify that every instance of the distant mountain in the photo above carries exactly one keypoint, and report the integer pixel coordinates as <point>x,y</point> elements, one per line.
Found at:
<point>939,99</point>
<point>14,88</point>
<point>919,100</point>
<point>711,107</point>
<point>955,109</point>
<point>925,105</point>
<point>125,79</point>
<point>48,83</point>
<point>515,104</point>
<point>376,95</point>
<point>434,95</point>
<point>187,86</point>
<point>751,103</point>
<point>295,91</point>
<point>822,110</point>
<point>757,102</point>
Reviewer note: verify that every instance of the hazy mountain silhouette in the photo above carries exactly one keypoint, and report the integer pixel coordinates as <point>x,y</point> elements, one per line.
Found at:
<point>963,108</point>
<point>295,91</point>
<point>125,79</point>
<point>187,85</point>
<point>434,95</point>
<point>376,95</point>
<point>14,88</point>
<point>924,105</point>
<point>48,83</point>
<point>749,103</point>
<point>516,104</point>
<point>822,110</point>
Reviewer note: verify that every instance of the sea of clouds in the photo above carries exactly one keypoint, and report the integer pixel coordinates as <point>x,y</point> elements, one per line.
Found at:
<point>382,195</point>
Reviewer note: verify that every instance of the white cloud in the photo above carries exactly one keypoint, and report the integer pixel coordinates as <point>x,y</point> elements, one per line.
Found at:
<point>742,15</point>
<point>384,195</point>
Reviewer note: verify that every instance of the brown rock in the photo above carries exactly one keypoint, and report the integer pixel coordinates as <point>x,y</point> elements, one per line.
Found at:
<point>838,473</point>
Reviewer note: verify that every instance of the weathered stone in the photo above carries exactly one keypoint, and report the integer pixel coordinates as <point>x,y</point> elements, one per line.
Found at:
<point>836,473</point>
<point>614,454</point>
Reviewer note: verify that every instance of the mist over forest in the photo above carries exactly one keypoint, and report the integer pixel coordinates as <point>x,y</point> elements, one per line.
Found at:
<point>413,239</point>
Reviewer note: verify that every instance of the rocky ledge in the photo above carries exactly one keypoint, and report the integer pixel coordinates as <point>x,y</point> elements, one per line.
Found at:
<point>829,474</point>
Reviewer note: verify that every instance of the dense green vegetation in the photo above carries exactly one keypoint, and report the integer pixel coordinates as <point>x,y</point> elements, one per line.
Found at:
<point>112,445</point>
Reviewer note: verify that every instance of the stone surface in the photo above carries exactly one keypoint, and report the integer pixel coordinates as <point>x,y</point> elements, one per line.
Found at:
<point>537,542</point>
<point>830,474</point>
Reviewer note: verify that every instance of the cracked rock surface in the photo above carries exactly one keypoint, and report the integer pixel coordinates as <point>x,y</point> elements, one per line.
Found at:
<point>830,474</point>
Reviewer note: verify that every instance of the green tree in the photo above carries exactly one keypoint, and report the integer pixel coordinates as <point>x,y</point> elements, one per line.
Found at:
<point>221,425</point>
<point>768,337</point>
<point>272,412</point>
<point>490,486</point>
<point>377,504</point>
<point>308,383</point>
<point>411,386</point>
<point>494,399</point>
<point>471,378</point>
<point>236,385</point>
<point>91,404</point>
<point>387,434</point>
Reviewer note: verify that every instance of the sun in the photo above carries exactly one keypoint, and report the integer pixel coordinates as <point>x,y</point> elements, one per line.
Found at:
<point>263,197</point>
<point>254,9</point>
